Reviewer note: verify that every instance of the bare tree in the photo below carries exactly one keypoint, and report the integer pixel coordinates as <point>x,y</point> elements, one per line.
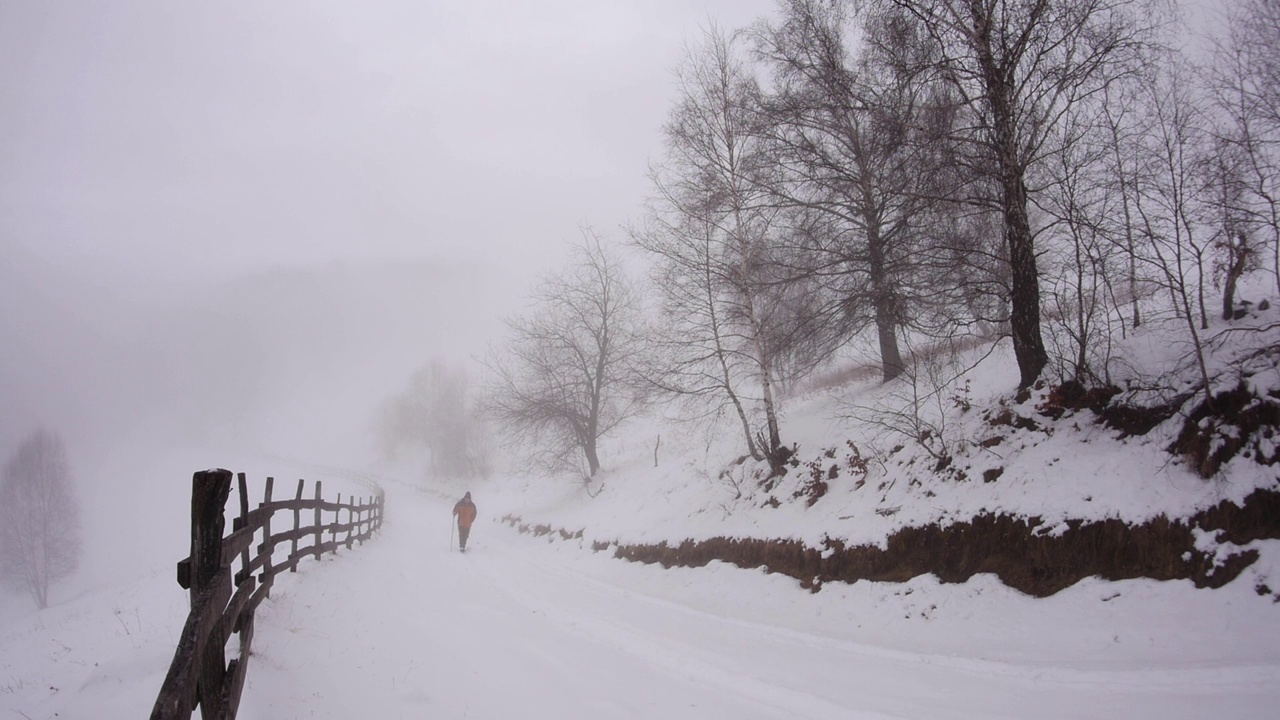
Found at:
<point>568,374</point>
<point>1017,66</point>
<point>1077,204</point>
<point>1168,201</point>
<point>843,130</point>
<point>1227,213</point>
<point>711,188</point>
<point>698,356</point>
<point>1242,81</point>
<point>436,413</point>
<point>39,517</point>
<point>1119,137</point>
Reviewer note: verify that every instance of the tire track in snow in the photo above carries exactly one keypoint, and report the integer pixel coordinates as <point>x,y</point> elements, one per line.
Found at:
<point>676,658</point>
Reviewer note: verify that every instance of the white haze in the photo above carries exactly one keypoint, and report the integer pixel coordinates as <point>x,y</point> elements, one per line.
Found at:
<point>229,231</point>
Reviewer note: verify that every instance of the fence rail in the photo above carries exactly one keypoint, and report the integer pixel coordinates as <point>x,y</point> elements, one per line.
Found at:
<point>223,602</point>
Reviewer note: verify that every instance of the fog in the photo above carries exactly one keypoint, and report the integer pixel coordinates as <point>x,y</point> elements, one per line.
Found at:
<point>232,230</point>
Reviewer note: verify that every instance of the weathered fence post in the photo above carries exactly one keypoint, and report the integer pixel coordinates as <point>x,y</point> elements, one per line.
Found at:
<point>268,547</point>
<point>337,519</point>
<point>209,492</point>
<point>319,527</point>
<point>297,523</point>
<point>241,522</point>
<point>200,674</point>
<point>351,518</point>
<point>359,526</point>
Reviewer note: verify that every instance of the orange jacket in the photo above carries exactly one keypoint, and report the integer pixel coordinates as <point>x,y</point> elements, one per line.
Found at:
<point>466,512</point>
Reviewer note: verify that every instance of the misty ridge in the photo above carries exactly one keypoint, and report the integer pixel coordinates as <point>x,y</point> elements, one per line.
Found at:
<point>146,381</point>
<point>253,360</point>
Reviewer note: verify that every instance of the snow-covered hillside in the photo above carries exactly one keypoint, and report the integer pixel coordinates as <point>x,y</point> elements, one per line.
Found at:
<point>1021,456</point>
<point>544,626</point>
<point>402,627</point>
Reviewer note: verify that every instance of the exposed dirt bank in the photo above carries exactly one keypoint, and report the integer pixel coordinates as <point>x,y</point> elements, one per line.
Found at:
<point>1022,552</point>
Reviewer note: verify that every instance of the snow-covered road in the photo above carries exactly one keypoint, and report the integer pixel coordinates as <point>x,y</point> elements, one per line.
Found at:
<point>404,628</point>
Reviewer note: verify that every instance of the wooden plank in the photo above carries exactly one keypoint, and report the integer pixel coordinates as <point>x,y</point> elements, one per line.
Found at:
<point>209,492</point>
<point>258,562</point>
<point>294,504</point>
<point>240,666</point>
<point>212,666</point>
<point>319,542</point>
<point>233,688</point>
<point>246,632</point>
<point>237,543</point>
<point>184,573</point>
<point>263,592</point>
<point>294,558</point>
<point>325,505</point>
<point>353,519</point>
<point>292,536</point>
<point>314,551</point>
<point>259,516</point>
<point>177,697</point>
<point>336,528</point>
<point>235,609</point>
<point>293,552</point>
<point>300,504</point>
<point>268,548</point>
<point>352,522</point>
<point>243,486</point>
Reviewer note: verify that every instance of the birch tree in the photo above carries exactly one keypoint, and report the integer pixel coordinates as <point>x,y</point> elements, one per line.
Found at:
<point>39,517</point>
<point>1018,66</point>
<point>568,372</point>
<point>711,187</point>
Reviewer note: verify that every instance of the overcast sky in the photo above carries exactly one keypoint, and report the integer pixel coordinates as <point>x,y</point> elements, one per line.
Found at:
<point>148,142</point>
<point>176,138</point>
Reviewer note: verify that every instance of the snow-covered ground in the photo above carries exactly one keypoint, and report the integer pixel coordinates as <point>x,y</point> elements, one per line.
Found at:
<point>546,628</point>
<point>519,627</point>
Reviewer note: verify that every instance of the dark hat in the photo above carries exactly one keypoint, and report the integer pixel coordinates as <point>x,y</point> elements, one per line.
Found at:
<point>467,496</point>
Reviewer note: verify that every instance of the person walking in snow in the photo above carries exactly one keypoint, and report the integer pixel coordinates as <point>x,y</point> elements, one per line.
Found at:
<point>465,511</point>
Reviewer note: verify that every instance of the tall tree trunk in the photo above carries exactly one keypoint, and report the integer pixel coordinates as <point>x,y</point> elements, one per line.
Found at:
<point>886,326</point>
<point>1024,295</point>
<point>1082,318</point>
<point>1024,298</point>
<point>1236,258</point>
<point>770,410</point>
<point>593,460</point>
<point>1130,245</point>
<point>764,360</point>
<point>882,288</point>
<point>725,376</point>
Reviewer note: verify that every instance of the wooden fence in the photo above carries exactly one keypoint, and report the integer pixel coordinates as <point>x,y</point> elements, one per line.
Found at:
<point>200,673</point>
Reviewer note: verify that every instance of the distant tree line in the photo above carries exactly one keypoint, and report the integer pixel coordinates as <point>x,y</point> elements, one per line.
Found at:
<point>435,415</point>
<point>891,174</point>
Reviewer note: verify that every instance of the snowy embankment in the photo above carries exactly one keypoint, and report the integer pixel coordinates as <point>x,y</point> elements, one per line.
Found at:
<point>547,628</point>
<point>402,627</point>
<point>856,482</point>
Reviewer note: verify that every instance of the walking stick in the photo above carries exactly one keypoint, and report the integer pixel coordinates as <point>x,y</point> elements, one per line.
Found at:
<point>450,534</point>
